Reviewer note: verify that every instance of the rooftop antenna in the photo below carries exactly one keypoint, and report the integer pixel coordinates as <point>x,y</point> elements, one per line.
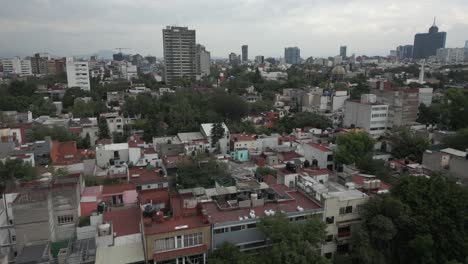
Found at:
<point>433,24</point>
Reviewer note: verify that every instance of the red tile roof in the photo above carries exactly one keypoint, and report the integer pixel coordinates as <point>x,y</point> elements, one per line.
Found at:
<point>145,175</point>
<point>289,155</point>
<point>76,130</point>
<point>168,255</point>
<point>154,195</point>
<point>64,153</point>
<point>243,137</point>
<point>117,188</point>
<point>124,221</point>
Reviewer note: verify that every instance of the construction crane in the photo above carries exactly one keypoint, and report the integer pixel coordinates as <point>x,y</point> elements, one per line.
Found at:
<point>120,49</point>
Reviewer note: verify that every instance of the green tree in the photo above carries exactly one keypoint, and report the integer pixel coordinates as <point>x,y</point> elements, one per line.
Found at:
<point>353,147</point>
<point>301,120</point>
<point>55,133</point>
<point>422,220</point>
<point>458,141</point>
<point>15,169</point>
<point>293,242</point>
<point>84,143</point>
<point>103,128</point>
<point>199,173</point>
<point>217,133</point>
<point>406,144</point>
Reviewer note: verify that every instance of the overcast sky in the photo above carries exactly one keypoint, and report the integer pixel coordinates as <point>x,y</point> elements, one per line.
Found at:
<point>317,27</point>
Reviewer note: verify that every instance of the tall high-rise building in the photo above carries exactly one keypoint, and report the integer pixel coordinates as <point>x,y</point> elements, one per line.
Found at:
<point>39,63</point>
<point>203,59</point>
<point>451,55</point>
<point>426,44</point>
<point>234,59</point>
<point>179,54</point>
<point>78,74</point>
<point>245,53</point>
<point>292,55</point>
<point>55,66</point>
<point>343,51</point>
<point>405,52</point>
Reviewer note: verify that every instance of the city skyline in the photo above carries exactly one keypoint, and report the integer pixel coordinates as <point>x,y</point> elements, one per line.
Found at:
<point>65,28</point>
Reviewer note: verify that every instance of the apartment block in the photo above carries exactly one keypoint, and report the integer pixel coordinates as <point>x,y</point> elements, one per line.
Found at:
<point>78,74</point>
<point>367,114</point>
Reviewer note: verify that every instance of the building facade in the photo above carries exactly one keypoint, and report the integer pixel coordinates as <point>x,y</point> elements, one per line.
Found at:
<point>450,55</point>
<point>343,51</point>
<point>245,53</point>
<point>292,55</point>
<point>17,66</point>
<point>39,63</point>
<point>366,114</point>
<point>78,74</point>
<point>405,52</point>
<point>426,44</point>
<point>203,60</point>
<point>179,54</point>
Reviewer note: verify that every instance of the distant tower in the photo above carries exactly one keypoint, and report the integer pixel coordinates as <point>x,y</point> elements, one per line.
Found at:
<point>245,53</point>
<point>343,52</point>
<point>427,44</point>
<point>421,74</point>
<point>179,54</point>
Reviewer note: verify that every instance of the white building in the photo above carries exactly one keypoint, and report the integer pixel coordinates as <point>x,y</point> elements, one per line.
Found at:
<point>425,96</point>
<point>206,128</point>
<point>78,74</point>
<point>17,65</point>
<point>128,71</point>
<point>450,55</point>
<point>367,114</point>
<point>203,61</point>
<point>341,211</point>
<point>320,155</point>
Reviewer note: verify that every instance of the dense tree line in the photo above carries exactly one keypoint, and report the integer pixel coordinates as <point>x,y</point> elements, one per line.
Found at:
<point>15,170</point>
<point>422,220</point>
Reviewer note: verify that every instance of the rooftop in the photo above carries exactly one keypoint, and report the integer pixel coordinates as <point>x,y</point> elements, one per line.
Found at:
<point>117,188</point>
<point>454,152</point>
<point>243,137</point>
<point>190,136</point>
<point>37,253</point>
<point>321,147</point>
<point>120,254</point>
<point>124,221</point>
<point>292,200</point>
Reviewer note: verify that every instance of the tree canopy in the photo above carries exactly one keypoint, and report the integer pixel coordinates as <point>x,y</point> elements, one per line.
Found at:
<point>195,172</point>
<point>301,120</point>
<point>353,147</point>
<point>406,144</point>
<point>421,221</point>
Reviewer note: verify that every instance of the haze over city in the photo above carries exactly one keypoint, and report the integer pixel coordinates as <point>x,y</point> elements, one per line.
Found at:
<point>65,28</point>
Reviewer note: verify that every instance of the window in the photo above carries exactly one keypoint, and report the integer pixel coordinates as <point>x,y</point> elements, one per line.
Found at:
<point>328,255</point>
<point>346,210</point>
<point>300,218</point>
<point>221,230</point>
<point>331,219</point>
<point>252,225</point>
<point>193,239</point>
<point>329,238</point>
<point>164,244</point>
<point>237,228</point>
<point>65,219</point>
<point>179,242</point>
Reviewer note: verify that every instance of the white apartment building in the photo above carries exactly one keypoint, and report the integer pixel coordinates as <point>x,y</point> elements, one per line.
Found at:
<point>203,61</point>
<point>17,65</point>
<point>128,71</point>
<point>341,211</point>
<point>78,74</point>
<point>367,114</point>
<point>450,55</point>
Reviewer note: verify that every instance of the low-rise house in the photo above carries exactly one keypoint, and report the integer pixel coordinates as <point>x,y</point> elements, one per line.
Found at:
<point>243,141</point>
<point>119,195</point>
<point>341,211</point>
<point>183,238</point>
<point>66,155</point>
<point>319,155</point>
<point>206,128</point>
<point>234,214</point>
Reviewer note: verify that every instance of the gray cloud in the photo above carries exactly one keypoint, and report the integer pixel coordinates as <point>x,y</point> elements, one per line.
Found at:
<point>66,27</point>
